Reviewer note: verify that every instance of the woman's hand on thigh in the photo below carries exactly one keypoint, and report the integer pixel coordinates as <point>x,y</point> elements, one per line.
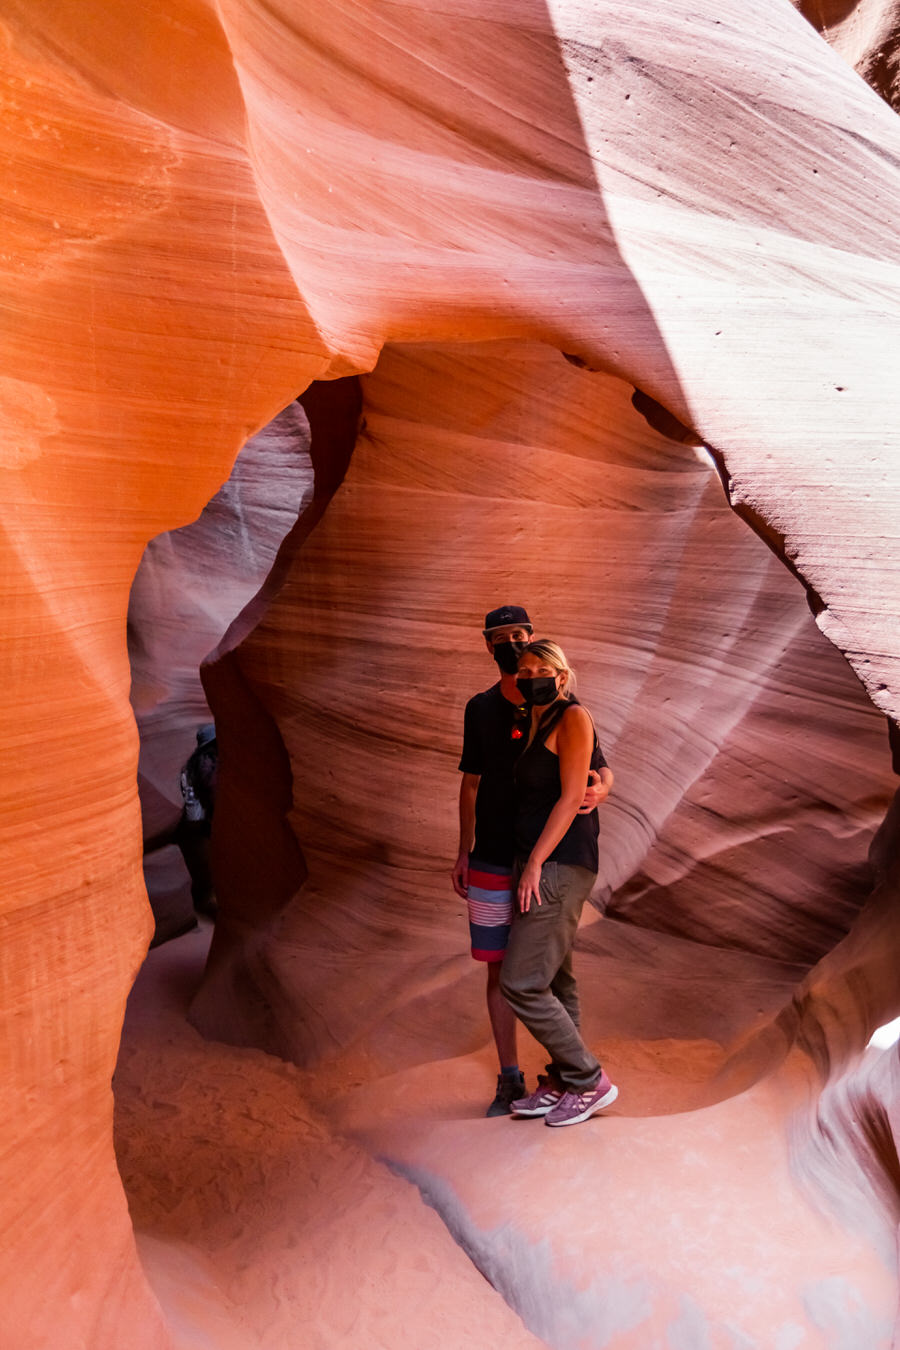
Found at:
<point>529,885</point>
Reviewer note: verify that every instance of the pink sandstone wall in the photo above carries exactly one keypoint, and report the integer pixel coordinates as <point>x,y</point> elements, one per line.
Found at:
<point>208,210</point>
<point>191,585</point>
<point>745,796</point>
<point>865,33</point>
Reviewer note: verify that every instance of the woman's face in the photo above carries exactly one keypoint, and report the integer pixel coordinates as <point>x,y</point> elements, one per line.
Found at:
<point>536,667</point>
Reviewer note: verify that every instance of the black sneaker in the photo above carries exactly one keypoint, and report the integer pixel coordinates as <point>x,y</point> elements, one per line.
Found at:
<point>509,1090</point>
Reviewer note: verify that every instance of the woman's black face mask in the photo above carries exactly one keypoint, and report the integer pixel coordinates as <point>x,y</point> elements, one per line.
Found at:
<point>538,690</point>
<point>507,654</point>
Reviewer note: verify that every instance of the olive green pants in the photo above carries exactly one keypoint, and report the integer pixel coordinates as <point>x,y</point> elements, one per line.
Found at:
<point>536,977</point>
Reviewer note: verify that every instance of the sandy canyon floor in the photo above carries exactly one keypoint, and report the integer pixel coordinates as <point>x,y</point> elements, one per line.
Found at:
<point>276,1208</point>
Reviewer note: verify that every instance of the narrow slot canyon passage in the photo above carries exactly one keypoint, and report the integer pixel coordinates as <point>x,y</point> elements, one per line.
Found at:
<point>584,306</point>
<point>266,1177</point>
<point>192,584</point>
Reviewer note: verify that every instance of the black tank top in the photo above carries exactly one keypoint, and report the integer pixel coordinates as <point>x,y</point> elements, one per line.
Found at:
<point>538,787</point>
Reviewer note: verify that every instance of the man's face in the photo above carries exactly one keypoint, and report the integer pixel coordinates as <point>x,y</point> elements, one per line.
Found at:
<point>513,632</point>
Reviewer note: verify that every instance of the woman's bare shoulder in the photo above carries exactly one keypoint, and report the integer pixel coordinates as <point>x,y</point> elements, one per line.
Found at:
<point>576,721</point>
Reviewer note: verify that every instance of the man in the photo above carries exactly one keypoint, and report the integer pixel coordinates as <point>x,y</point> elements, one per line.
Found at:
<point>496,726</point>
<point>198,791</point>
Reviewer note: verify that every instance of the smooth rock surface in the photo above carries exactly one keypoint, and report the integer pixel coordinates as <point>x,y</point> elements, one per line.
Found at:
<point>707,171</point>
<point>191,585</point>
<point>258,1223</point>
<point>151,326</point>
<point>208,210</point>
<point>751,770</point>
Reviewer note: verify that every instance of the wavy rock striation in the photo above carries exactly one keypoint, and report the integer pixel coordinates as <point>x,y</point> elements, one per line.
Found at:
<point>694,200</point>
<point>741,816</point>
<point>152,326</point>
<point>191,584</point>
<point>865,33</point>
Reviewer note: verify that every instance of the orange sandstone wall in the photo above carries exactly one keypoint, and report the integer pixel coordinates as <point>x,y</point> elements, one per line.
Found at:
<point>202,218</point>
<point>151,325</point>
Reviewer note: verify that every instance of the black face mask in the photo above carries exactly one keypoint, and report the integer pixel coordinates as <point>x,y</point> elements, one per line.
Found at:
<point>539,690</point>
<point>507,654</point>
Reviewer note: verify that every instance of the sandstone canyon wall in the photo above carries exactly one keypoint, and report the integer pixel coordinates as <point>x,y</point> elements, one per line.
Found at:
<point>741,740</point>
<point>191,584</point>
<point>865,32</point>
<point>130,242</point>
<point>208,209</point>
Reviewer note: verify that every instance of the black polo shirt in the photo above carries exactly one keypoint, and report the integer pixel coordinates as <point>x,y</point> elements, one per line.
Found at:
<point>491,750</point>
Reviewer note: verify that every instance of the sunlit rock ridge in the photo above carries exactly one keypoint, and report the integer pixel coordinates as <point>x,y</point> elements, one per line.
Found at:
<point>212,209</point>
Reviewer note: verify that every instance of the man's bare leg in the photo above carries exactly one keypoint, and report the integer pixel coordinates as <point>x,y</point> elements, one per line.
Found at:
<point>503,1019</point>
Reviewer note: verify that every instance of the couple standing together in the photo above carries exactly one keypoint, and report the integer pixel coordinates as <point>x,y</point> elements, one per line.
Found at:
<point>528,859</point>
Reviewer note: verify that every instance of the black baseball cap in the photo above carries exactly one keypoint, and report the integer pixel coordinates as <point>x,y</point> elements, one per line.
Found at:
<point>505,617</point>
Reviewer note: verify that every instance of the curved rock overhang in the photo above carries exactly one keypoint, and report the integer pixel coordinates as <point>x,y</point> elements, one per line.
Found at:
<point>698,200</point>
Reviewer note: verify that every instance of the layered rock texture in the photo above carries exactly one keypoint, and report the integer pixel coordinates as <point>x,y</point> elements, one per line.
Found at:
<point>866,34</point>
<point>210,208</point>
<point>191,585</point>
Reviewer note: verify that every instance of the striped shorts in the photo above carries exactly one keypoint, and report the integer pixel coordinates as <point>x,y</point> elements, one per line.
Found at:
<point>490,903</point>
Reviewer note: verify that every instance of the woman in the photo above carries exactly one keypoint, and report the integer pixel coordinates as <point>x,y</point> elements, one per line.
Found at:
<point>557,863</point>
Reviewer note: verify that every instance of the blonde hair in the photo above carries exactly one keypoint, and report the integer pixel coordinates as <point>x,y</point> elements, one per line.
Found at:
<point>552,653</point>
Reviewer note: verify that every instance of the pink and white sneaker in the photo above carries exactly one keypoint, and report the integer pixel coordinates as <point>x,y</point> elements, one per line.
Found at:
<point>539,1102</point>
<point>573,1107</point>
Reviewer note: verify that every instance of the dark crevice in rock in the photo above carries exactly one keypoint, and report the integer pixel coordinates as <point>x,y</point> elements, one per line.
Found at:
<point>188,590</point>
<point>767,533</point>
<point>258,864</point>
<point>663,421</point>
<point>894,742</point>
